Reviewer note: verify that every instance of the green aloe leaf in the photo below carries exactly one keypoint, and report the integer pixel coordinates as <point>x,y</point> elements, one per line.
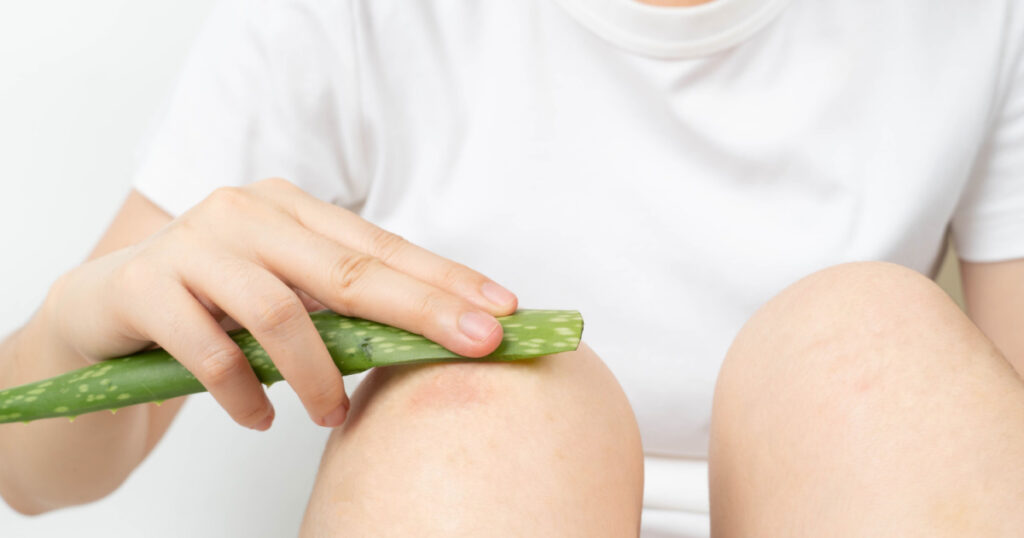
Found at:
<point>355,345</point>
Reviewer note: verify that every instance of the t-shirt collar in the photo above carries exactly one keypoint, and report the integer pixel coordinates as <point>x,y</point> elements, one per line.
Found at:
<point>674,32</point>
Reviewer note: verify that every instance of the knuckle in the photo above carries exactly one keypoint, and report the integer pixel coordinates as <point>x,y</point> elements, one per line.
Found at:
<point>137,275</point>
<point>251,414</point>
<point>274,183</point>
<point>59,284</point>
<point>325,396</point>
<point>188,224</point>
<point>240,271</point>
<point>453,275</point>
<point>348,271</point>
<point>227,200</point>
<point>386,245</point>
<point>220,365</point>
<point>277,312</point>
<point>430,304</point>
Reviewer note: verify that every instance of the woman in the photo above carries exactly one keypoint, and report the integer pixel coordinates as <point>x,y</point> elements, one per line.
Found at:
<point>666,170</point>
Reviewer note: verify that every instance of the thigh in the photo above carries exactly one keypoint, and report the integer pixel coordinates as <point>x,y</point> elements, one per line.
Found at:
<point>547,447</point>
<point>862,402</point>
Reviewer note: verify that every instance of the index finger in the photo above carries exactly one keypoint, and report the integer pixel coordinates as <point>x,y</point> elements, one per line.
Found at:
<point>356,233</point>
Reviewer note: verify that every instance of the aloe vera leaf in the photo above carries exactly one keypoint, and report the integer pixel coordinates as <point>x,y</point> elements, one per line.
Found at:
<point>355,345</point>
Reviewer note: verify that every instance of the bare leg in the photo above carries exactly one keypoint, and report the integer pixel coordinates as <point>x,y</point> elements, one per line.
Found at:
<point>548,448</point>
<point>862,402</point>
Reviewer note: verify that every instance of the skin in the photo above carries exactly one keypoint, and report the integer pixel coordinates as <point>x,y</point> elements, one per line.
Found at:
<point>554,451</point>
<point>994,293</point>
<point>862,402</point>
<point>245,255</point>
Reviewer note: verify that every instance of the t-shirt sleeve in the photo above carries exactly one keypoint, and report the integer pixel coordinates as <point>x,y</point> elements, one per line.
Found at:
<point>988,225</point>
<point>269,89</point>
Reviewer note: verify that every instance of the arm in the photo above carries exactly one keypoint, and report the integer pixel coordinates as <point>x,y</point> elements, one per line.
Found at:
<point>995,302</point>
<point>37,472</point>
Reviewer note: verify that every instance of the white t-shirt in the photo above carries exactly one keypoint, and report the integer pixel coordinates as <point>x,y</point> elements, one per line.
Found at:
<point>663,170</point>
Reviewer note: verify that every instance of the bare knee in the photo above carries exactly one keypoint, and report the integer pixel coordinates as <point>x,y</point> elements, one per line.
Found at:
<point>839,385</point>
<point>497,441</point>
<point>844,333</point>
<point>843,324</point>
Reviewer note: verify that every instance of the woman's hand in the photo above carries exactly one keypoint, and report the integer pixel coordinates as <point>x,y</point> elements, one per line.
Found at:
<point>250,253</point>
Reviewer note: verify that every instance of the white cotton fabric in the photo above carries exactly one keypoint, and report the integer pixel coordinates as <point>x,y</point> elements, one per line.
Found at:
<point>664,170</point>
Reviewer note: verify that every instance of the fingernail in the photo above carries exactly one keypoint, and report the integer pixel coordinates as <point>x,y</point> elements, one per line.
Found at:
<point>497,294</point>
<point>337,417</point>
<point>477,325</point>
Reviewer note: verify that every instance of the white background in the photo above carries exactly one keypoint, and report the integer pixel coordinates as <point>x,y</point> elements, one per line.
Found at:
<point>80,83</point>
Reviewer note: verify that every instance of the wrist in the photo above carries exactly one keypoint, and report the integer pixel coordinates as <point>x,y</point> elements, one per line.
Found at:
<point>40,349</point>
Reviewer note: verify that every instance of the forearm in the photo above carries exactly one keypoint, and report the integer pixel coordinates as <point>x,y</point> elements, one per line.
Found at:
<point>995,301</point>
<point>52,463</point>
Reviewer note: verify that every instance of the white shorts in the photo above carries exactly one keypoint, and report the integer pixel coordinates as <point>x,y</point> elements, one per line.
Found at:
<point>675,498</point>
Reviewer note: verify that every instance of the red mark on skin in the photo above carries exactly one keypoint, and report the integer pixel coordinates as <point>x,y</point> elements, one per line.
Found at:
<point>452,386</point>
<point>862,384</point>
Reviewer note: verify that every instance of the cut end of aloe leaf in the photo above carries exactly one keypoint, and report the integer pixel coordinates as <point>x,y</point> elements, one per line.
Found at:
<point>534,333</point>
